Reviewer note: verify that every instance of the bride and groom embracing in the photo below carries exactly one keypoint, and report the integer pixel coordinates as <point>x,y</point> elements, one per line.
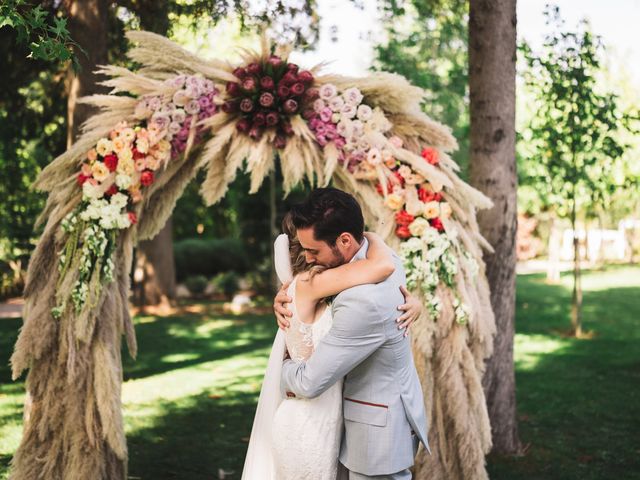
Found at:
<point>341,398</point>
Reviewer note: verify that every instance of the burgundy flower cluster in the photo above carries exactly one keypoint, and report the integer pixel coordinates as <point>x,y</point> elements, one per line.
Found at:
<point>266,97</point>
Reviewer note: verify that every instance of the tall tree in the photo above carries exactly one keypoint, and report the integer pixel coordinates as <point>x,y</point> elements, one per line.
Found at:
<point>155,264</point>
<point>492,75</point>
<point>575,133</point>
<point>89,29</point>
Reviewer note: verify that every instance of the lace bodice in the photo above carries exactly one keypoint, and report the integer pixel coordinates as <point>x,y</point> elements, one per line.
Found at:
<point>302,338</point>
<point>307,432</point>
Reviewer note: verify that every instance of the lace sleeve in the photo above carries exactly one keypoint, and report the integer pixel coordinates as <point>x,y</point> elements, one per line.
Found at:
<point>299,338</point>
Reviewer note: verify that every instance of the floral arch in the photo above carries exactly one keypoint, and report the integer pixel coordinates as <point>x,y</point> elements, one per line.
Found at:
<point>120,181</point>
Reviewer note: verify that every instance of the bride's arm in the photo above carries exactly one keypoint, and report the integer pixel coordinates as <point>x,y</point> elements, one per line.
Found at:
<point>375,268</point>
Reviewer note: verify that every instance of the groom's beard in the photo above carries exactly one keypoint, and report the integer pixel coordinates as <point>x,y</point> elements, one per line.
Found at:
<point>338,258</point>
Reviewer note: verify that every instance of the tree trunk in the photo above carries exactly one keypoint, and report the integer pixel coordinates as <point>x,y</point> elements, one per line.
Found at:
<point>576,303</point>
<point>154,258</point>
<point>553,256</point>
<point>492,56</point>
<point>155,262</point>
<point>89,28</point>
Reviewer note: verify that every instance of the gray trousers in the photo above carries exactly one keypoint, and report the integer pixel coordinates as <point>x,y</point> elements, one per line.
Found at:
<point>344,474</point>
<point>403,475</point>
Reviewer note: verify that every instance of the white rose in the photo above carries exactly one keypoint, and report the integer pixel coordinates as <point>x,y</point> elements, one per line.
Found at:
<point>178,115</point>
<point>352,96</point>
<point>394,201</point>
<point>328,91</point>
<point>91,191</point>
<point>123,221</point>
<point>344,128</point>
<point>432,210</point>
<point>119,200</point>
<point>180,98</point>
<point>364,112</point>
<point>123,181</point>
<point>348,112</point>
<point>418,226</point>
<point>336,104</point>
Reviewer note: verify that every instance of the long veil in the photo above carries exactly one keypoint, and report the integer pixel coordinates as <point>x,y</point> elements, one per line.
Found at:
<point>258,464</point>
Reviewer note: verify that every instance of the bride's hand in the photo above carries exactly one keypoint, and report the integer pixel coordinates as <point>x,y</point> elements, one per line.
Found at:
<point>280,307</point>
<point>412,309</point>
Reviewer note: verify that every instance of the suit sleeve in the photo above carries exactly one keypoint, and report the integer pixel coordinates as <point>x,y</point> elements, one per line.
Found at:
<point>357,331</point>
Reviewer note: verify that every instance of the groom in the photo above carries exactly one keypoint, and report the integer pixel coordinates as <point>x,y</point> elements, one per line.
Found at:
<point>383,406</point>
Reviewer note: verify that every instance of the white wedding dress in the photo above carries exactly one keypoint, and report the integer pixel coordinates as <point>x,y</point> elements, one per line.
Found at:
<point>294,438</point>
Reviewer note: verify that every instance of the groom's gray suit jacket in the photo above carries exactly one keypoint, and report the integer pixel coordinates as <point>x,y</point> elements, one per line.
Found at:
<point>383,403</point>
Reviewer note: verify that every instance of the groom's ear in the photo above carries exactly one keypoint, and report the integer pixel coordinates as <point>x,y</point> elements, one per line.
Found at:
<point>345,240</point>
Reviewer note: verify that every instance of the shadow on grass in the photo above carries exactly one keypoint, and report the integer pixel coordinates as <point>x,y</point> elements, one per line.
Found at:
<point>578,399</point>
<point>193,438</point>
<point>170,343</point>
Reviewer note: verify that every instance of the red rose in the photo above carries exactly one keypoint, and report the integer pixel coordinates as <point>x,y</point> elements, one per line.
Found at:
<point>267,83</point>
<point>297,88</point>
<point>240,72</point>
<point>437,197</point>
<point>266,99</point>
<point>246,105</point>
<point>437,224</point>
<point>292,67</point>
<point>312,93</point>
<point>272,118</point>
<point>249,84</point>
<point>111,162</point>
<point>289,78</point>
<point>255,132</point>
<point>133,218</point>
<point>290,106</point>
<point>403,232</point>
<point>233,89</point>
<point>243,125</point>
<point>259,119</point>
<point>137,155</point>
<point>430,155</point>
<point>283,90</point>
<point>229,107</point>
<point>254,68</point>
<point>404,218</point>
<point>305,76</point>
<point>275,61</point>
<point>82,178</point>
<point>425,195</point>
<point>146,178</point>
<point>112,190</point>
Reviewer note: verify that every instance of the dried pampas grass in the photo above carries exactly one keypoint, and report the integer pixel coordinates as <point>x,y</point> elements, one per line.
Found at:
<point>73,421</point>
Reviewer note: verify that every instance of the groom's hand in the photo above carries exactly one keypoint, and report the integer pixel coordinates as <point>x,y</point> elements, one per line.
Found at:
<point>280,306</point>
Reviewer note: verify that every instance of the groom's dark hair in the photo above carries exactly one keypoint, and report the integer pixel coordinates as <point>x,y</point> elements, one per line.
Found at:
<point>330,212</point>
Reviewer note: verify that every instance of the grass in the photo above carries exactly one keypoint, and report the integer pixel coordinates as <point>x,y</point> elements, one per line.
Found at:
<point>190,397</point>
<point>578,399</point>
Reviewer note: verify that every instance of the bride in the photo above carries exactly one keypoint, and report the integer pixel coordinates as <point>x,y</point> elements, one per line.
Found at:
<point>294,438</point>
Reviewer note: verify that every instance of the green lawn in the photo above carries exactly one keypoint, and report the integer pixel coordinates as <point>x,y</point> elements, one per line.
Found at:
<point>190,396</point>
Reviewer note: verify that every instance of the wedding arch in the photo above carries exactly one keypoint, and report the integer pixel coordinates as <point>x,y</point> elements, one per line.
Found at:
<point>118,184</point>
